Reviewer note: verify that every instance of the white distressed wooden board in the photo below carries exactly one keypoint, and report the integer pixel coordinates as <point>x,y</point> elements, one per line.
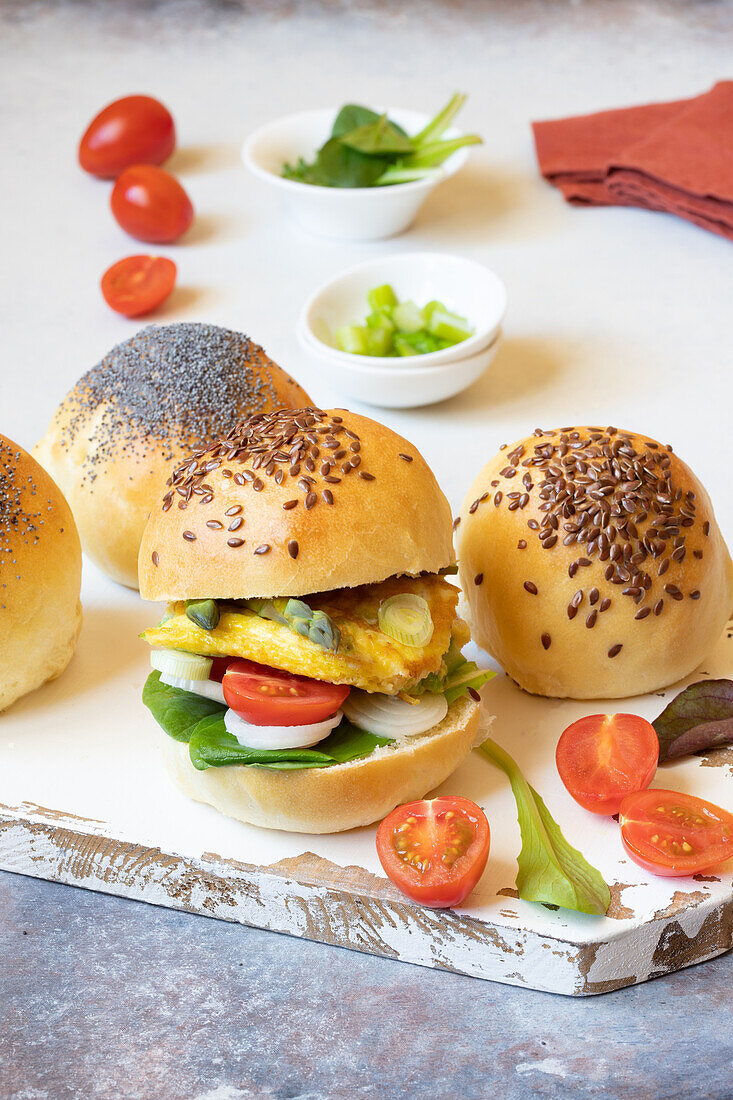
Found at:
<point>84,800</point>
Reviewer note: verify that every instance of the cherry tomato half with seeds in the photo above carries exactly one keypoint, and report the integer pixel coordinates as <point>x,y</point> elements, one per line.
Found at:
<point>138,284</point>
<point>604,757</point>
<point>272,697</point>
<point>674,834</point>
<point>136,129</point>
<point>435,850</point>
<point>150,204</point>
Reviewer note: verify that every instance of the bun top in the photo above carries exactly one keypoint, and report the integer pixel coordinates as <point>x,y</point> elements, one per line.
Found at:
<point>292,502</point>
<point>38,536</point>
<point>166,390</point>
<point>593,563</point>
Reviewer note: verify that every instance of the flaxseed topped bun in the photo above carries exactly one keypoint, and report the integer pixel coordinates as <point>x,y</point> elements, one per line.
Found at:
<point>40,576</point>
<point>592,564</point>
<point>293,502</point>
<point>134,416</point>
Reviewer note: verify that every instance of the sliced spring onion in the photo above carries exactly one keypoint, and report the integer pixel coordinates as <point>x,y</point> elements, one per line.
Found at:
<point>386,716</point>
<point>407,619</point>
<point>187,666</point>
<point>353,338</point>
<point>279,737</point>
<point>408,317</point>
<point>382,297</point>
<point>210,689</point>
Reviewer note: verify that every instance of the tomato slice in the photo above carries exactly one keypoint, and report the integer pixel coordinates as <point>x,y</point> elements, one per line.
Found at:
<point>435,850</point>
<point>138,284</point>
<point>272,697</point>
<point>674,834</point>
<point>150,204</point>
<point>604,757</point>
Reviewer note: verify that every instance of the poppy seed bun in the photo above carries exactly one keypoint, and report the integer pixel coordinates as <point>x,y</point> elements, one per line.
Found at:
<point>329,800</point>
<point>40,576</point>
<point>592,564</point>
<point>295,502</point>
<point>129,420</point>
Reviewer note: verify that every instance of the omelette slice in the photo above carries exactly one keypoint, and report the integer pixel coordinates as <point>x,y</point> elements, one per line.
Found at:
<point>366,657</point>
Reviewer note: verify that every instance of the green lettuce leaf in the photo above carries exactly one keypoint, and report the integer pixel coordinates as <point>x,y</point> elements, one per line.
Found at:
<point>550,870</point>
<point>460,675</point>
<point>176,711</point>
<point>211,746</point>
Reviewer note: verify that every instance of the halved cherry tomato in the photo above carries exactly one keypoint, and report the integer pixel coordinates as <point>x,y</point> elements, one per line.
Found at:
<point>134,130</point>
<point>674,834</point>
<point>138,284</point>
<point>150,204</point>
<point>604,757</point>
<point>272,697</point>
<point>435,850</point>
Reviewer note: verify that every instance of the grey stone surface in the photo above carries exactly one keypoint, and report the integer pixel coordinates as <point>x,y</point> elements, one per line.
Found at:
<point>103,998</point>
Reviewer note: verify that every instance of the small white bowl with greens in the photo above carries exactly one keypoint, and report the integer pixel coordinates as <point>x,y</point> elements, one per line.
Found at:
<point>355,173</point>
<point>406,330</point>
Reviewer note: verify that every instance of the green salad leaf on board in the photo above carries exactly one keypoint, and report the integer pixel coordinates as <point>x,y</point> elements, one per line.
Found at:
<point>367,149</point>
<point>176,711</point>
<point>550,870</point>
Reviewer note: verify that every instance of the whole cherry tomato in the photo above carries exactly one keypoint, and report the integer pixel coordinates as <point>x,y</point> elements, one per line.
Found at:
<point>138,284</point>
<point>135,130</point>
<point>150,204</point>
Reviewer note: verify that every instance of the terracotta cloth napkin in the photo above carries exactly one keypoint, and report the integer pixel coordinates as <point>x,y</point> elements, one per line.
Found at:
<point>676,157</point>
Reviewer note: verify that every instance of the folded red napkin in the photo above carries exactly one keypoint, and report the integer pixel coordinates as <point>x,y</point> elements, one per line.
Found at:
<point>675,157</point>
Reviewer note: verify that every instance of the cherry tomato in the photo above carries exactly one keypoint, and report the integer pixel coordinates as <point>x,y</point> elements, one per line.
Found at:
<point>138,284</point>
<point>135,130</point>
<point>674,834</point>
<point>150,204</point>
<point>435,850</point>
<point>604,757</point>
<point>271,697</point>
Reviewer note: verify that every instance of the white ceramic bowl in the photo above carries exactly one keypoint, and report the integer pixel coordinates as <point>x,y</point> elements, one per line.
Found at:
<point>464,286</point>
<point>406,383</point>
<point>340,213</point>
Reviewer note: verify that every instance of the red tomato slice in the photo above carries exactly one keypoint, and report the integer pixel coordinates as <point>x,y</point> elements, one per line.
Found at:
<point>150,204</point>
<point>219,665</point>
<point>134,130</point>
<point>604,757</point>
<point>435,850</point>
<point>674,834</point>
<point>138,284</point>
<point>271,697</point>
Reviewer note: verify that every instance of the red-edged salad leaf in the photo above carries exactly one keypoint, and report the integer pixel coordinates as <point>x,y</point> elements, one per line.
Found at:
<point>700,717</point>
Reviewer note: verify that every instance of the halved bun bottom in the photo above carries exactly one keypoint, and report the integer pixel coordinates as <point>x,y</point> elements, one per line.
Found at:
<point>330,800</point>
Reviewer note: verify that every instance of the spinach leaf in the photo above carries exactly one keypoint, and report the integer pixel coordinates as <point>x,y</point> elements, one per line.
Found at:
<point>178,712</point>
<point>460,675</point>
<point>700,717</point>
<point>378,138</point>
<point>211,746</point>
<point>344,167</point>
<point>350,117</point>
<point>550,870</point>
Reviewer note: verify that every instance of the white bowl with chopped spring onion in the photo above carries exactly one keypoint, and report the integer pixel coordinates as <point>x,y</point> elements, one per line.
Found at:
<point>341,213</point>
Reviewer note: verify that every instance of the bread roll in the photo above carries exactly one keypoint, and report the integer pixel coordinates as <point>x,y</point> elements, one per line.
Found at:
<point>592,564</point>
<point>291,503</point>
<point>40,576</point>
<point>129,420</point>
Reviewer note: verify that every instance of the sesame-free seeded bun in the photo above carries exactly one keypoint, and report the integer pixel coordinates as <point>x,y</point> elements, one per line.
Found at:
<point>40,576</point>
<point>592,564</point>
<point>132,418</point>
<point>329,800</point>
<point>289,503</point>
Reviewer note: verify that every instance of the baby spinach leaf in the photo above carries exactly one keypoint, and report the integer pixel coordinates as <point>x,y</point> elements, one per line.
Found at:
<point>211,746</point>
<point>344,167</point>
<point>700,717</point>
<point>549,869</point>
<point>176,711</point>
<point>350,117</point>
<point>378,138</point>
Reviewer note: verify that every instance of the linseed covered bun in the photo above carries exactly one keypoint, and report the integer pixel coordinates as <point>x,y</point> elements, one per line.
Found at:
<point>40,576</point>
<point>137,413</point>
<point>294,502</point>
<point>592,564</point>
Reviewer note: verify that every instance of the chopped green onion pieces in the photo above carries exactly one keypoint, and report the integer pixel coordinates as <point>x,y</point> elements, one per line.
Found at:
<point>406,618</point>
<point>395,328</point>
